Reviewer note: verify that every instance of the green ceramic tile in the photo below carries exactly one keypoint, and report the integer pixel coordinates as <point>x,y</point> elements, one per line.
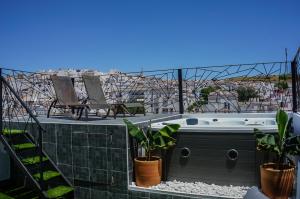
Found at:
<point>81,173</point>
<point>64,154</point>
<point>80,156</point>
<point>83,193</point>
<point>97,158</point>
<point>99,176</point>
<point>97,140</point>
<point>79,139</point>
<point>63,132</point>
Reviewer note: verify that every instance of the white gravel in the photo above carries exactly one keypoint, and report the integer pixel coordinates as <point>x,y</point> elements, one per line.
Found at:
<point>200,188</point>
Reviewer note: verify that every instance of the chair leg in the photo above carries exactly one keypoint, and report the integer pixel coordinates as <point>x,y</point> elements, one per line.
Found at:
<point>123,111</point>
<point>78,114</point>
<point>73,110</point>
<point>116,111</point>
<point>124,108</point>
<point>86,113</point>
<point>80,111</point>
<point>107,114</point>
<point>133,112</point>
<point>51,105</point>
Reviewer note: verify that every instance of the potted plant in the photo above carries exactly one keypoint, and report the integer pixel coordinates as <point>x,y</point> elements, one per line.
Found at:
<point>148,168</point>
<point>277,178</point>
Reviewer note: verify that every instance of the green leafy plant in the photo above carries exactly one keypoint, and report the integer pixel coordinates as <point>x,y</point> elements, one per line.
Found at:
<point>283,143</point>
<point>245,93</point>
<point>282,85</point>
<point>205,93</point>
<point>151,140</point>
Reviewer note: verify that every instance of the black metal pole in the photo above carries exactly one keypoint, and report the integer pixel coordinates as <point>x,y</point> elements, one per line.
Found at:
<point>294,85</point>
<point>41,158</point>
<point>1,100</point>
<point>181,108</point>
<point>73,81</point>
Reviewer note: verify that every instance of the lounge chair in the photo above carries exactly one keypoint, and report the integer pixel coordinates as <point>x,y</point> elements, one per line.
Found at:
<point>66,97</point>
<point>96,98</point>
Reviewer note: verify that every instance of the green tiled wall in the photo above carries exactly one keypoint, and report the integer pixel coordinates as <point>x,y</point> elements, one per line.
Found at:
<point>94,159</point>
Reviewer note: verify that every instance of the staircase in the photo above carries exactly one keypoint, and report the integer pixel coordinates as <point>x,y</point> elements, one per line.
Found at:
<point>18,192</point>
<point>25,153</point>
<point>43,178</point>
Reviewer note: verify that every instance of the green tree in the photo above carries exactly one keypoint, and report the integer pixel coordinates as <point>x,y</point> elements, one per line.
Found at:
<point>245,93</point>
<point>205,93</point>
<point>282,85</point>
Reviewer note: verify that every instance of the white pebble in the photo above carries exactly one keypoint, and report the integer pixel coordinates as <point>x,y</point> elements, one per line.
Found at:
<point>200,188</point>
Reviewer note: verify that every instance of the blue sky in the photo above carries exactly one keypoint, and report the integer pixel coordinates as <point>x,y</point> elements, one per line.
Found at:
<point>154,34</point>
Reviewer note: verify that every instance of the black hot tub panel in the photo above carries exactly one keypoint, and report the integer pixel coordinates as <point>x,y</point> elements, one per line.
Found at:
<point>219,158</point>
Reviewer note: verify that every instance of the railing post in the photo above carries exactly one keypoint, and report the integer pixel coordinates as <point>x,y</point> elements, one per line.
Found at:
<point>73,81</point>
<point>41,157</point>
<point>181,107</point>
<point>294,85</point>
<point>1,103</point>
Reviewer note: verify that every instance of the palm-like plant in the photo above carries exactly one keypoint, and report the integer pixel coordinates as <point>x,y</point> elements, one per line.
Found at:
<point>283,143</point>
<point>151,140</point>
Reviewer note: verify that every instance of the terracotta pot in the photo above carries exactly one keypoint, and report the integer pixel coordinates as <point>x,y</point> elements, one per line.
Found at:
<point>159,165</point>
<point>277,183</point>
<point>147,173</point>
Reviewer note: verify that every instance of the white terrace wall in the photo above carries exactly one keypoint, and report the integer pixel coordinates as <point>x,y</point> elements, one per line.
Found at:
<point>296,123</point>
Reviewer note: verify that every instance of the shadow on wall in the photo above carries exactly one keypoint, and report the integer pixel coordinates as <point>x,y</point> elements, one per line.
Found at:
<point>4,164</point>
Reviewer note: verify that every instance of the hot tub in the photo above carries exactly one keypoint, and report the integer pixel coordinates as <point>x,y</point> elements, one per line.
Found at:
<point>217,148</point>
<point>240,123</point>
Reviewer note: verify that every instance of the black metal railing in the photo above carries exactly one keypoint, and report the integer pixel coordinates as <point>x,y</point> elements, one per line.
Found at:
<point>156,90</point>
<point>257,87</point>
<point>34,89</point>
<point>295,66</point>
<point>15,113</point>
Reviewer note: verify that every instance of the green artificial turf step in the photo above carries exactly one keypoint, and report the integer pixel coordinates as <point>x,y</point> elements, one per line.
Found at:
<point>12,131</point>
<point>4,196</point>
<point>33,160</point>
<point>47,175</point>
<point>58,191</point>
<point>24,194</point>
<point>13,190</point>
<point>24,146</point>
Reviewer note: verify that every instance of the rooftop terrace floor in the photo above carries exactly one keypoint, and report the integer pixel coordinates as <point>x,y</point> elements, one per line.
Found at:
<point>94,120</point>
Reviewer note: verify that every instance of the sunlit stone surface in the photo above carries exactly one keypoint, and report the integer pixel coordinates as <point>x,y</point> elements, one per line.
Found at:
<point>200,188</point>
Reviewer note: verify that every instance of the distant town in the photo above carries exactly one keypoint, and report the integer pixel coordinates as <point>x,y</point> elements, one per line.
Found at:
<point>160,95</point>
